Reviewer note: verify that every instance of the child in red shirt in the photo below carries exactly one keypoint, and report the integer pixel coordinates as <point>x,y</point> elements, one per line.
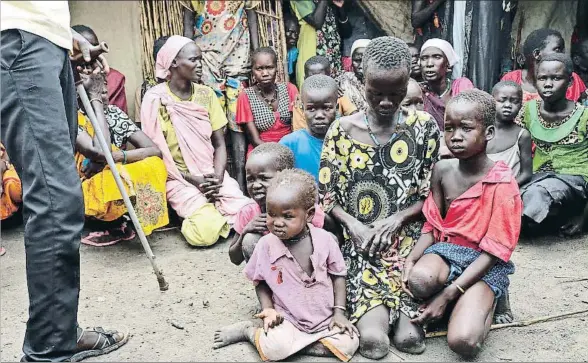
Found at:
<point>472,227</point>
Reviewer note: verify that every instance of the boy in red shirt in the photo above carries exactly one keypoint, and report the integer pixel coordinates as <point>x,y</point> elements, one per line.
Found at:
<point>472,227</point>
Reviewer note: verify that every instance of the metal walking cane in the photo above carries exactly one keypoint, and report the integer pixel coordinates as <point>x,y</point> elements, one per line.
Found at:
<point>163,285</point>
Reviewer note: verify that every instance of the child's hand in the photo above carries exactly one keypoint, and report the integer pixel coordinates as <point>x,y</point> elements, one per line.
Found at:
<point>270,318</point>
<point>339,320</point>
<point>408,265</point>
<point>257,225</point>
<point>433,310</point>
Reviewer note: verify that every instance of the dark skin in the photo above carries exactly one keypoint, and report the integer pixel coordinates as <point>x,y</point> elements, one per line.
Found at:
<point>264,71</point>
<point>466,136</point>
<point>508,104</point>
<point>186,67</point>
<point>580,60</point>
<point>320,110</point>
<point>414,98</point>
<point>385,90</point>
<point>422,11</point>
<point>260,170</point>
<point>357,63</point>
<point>190,22</point>
<point>552,83</point>
<point>288,220</point>
<point>317,18</point>
<point>434,68</point>
<point>415,66</point>
<point>553,44</point>
<point>292,30</point>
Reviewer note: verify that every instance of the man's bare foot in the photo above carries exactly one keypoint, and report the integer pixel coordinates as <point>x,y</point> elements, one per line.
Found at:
<point>503,313</point>
<point>239,332</point>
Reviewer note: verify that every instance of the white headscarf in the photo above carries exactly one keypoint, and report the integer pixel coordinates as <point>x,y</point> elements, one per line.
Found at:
<point>359,43</point>
<point>446,48</point>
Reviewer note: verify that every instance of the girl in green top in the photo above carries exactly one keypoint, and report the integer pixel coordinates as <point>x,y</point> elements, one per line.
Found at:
<point>556,198</point>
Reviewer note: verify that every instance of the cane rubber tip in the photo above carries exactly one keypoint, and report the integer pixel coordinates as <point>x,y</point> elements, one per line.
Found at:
<point>163,285</point>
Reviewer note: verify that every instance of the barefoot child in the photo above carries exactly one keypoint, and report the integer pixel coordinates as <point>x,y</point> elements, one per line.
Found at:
<point>471,229</point>
<point>511,143</point>
<point>556,198</point>
<point>319,65</point>
<point>299,276</point>
<point>319,96</point>
<point>264,162</point>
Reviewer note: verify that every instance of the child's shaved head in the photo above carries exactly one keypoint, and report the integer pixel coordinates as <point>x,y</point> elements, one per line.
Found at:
<point>319,82</point>
<point>317,64</point>
<point>486,105</point>
<point>498,86</point>
<point>298,181</point>
<point>282,156</point>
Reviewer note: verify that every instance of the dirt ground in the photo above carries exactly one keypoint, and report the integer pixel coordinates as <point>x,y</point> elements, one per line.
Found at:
<point>207,292</point>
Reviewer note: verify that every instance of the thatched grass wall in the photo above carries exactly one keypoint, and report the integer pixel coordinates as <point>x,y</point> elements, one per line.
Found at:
<point>392,16</point>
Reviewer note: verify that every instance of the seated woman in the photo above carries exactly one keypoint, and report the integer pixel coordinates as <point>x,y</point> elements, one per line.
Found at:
<point>265,109</point>
<point>186,121</point>
<point>437,58</point>
<point>351,83</point>
<point>141,169</point>
<point>373,179</point>
<point>538,44</point>
<point>556,198</point>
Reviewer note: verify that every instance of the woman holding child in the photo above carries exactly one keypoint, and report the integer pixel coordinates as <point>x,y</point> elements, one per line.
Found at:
<point>141,169</point>
<point>373,179</point>
<point>185,120</point>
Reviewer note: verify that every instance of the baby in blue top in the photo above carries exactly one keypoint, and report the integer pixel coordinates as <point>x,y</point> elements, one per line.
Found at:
<point>319,97</point>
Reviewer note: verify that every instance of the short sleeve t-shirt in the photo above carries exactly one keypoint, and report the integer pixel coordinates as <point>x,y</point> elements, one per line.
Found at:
<point>203,96</point>
<point>307,151</point>
<point>305,301</point>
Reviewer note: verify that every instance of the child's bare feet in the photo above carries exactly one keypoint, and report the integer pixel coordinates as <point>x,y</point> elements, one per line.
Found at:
<point>238,332</point>
<point>503,313</point>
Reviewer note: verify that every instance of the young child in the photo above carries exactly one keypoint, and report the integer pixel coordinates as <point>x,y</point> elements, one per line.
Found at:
<point>264,162</point>
<point>299,276</point>
<point>413,101</point>
<point>511,143</point>
<point>471,228</point>
<point>556,198</point>
<point>313,66</point>
<point>319,97</point>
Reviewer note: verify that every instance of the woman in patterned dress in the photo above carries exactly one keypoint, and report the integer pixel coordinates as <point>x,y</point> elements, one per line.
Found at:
<point>141,169</point>
<point>321,28</point>
<point>373,179</point>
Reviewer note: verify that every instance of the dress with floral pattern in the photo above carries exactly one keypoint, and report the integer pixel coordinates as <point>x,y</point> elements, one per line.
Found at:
<point>372,183</point>
<point>328,41</point>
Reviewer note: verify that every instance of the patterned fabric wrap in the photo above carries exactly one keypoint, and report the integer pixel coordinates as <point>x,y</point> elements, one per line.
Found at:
<point>328,42</point>
<point>460,257</point>
<point>263,115</point>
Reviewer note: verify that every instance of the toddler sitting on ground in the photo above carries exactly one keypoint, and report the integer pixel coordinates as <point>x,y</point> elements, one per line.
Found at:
<point>264,162</point>
<point>299,273</point>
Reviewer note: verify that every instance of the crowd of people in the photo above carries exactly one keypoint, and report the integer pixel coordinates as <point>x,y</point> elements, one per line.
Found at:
<point>375,197</point>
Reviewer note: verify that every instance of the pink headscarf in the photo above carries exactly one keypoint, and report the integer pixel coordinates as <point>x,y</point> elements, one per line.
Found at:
<point>168,53</point>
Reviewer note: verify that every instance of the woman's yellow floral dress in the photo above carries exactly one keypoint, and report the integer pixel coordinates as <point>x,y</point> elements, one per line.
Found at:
<point>372,183</point>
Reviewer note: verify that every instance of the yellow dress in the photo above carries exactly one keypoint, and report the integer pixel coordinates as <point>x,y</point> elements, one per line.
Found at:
<point>145,184</point>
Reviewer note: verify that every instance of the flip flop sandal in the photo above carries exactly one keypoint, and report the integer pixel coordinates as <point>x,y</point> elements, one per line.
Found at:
<point>104,345</point>
<point>127,232</point>
<point>2,251</point>
<point>89,239</point>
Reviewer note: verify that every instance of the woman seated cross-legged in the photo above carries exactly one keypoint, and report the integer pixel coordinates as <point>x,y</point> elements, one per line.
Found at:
<point>186,121</point>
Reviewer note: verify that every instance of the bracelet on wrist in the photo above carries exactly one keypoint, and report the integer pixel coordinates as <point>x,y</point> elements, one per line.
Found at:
<point>124,157</point>
<point>339,307</point>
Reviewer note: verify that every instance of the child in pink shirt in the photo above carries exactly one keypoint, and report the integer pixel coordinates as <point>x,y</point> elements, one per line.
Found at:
<point>299,276</point>
<point>264,162</point>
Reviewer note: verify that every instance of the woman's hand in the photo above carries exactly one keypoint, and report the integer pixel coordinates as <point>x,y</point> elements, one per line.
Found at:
<point>257,225</point>
<point>206,187</point>
<point>92,168</point>
<point>270,318</point>
<point>433,310</point>
<point>385,231</point>
<point>359,233</point>
<point>339,320</point>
